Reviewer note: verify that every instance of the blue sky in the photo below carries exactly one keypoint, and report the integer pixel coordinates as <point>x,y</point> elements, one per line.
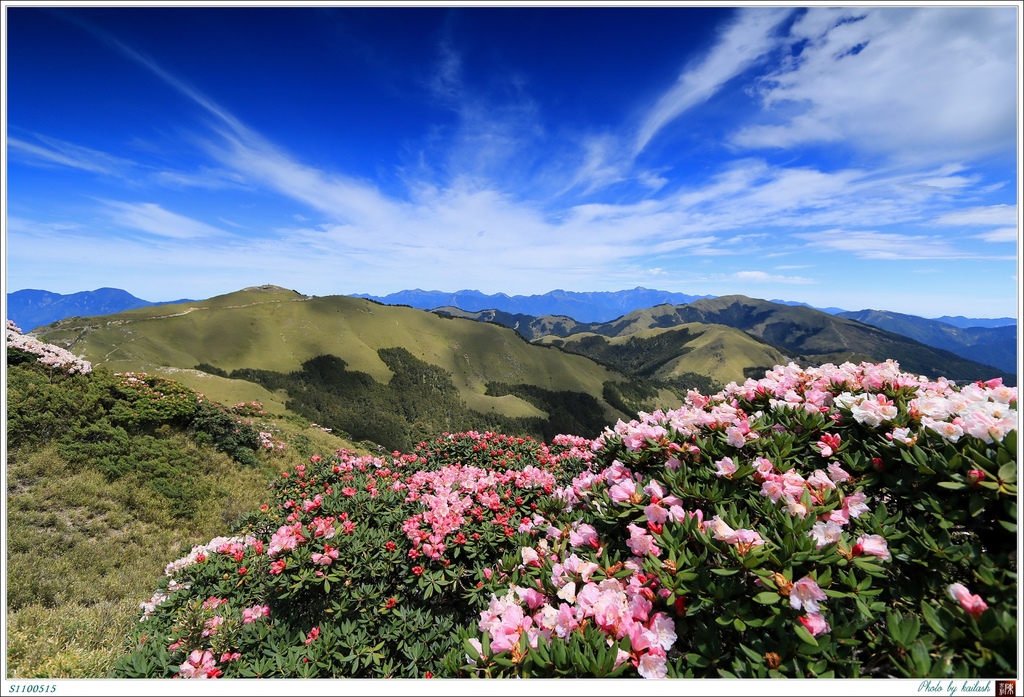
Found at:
<point>852,157</point>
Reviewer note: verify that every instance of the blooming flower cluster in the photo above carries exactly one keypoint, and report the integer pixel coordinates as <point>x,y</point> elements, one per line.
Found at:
<point>740,530</point>
<point>232,546</point>
<point>620,607</point>
<point>47,354</point>
<point>455,494</point>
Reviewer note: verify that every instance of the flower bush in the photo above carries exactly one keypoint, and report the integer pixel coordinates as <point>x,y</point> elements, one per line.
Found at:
<point>49,355</point>
<point>840,521</point>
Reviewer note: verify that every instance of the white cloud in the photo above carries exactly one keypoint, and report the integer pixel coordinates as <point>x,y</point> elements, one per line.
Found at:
<point>151,218</point>
<point>59,152</point>
<point>913,83</point>
<point>762,277</point>
<point>1005,234</point>
<point>741,44</point>
<point>23,226</point>
<point>867,244</point>
<point>1002,214</point>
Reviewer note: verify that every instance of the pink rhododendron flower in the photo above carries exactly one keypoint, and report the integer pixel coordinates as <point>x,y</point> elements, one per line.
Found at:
<point>820,480</point>
<point>583,534</point>
<point>212,603</point>
<point>211,625</point>
<point>721,530</point>
<point>200,665</point>
<point>640,543</point>
<point>796,508</point>
<point>875,545</point>
<point>748,538</point>
<point>764,466</point>
<point>773,489</point>
<point>735,437</point>
<point>837,474</point>
<point>251,614</point>
<point>663,631</point>
<point>655,513</point>
<point>973,604</point>
<point>652,666</point>
<point>312,635</point>
<point>806,595</point>
<point>825,533</point>
<point>725,467</point>
<point>329,555</point>
<point>530,556</point>
<point>854,506</point>
<point>815,624</point>
<point>829,443</point>
<point>624,492</point>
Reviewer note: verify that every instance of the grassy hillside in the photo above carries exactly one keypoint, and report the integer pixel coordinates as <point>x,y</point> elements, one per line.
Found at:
<point>271,328</point>
<point>809,335</point>
<point>678,353</point>
<point>528,326</point>
<point>108,479</point>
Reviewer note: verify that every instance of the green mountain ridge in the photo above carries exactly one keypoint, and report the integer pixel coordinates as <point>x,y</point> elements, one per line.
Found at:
<point>277,332</point>
<point>799,332</point>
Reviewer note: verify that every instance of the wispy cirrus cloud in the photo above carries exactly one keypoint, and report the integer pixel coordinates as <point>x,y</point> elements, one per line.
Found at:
<point>868,244</point>
<point>747,39</point>
<point>1001,214</point>
<point>1005,234</point>
<point>153,219</point>
<point>52,151</point>
<point>763,277</point>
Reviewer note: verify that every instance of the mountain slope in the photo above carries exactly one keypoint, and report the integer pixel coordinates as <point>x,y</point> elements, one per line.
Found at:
<point>34,308</point>
<point>996,346</point>
<point>528,326</point>
<point>274,329</point>
<point>804,333</point>
<point>675,354</point>
<point>808,333</point>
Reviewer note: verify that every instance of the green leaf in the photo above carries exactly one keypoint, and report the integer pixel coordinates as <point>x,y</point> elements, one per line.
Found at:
<point>804,635</point>
<point>767,598</point>
<point>1008,472</point>
<point>953,485</point>
<point>932,618</point>
<point>724,572</point>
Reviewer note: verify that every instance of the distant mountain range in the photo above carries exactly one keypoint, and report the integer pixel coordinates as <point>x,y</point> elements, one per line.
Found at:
<point>598,306</point>
<point>995,345</point>
<point>964,322</point>
<point>34,308</point>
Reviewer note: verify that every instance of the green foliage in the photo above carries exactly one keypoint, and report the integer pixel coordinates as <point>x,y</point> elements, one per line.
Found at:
<point>568,412</point>
<point>418,401</point>
<point>212,370</point>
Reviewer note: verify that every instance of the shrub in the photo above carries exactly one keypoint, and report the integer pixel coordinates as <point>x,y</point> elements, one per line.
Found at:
<point>833,522</point>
